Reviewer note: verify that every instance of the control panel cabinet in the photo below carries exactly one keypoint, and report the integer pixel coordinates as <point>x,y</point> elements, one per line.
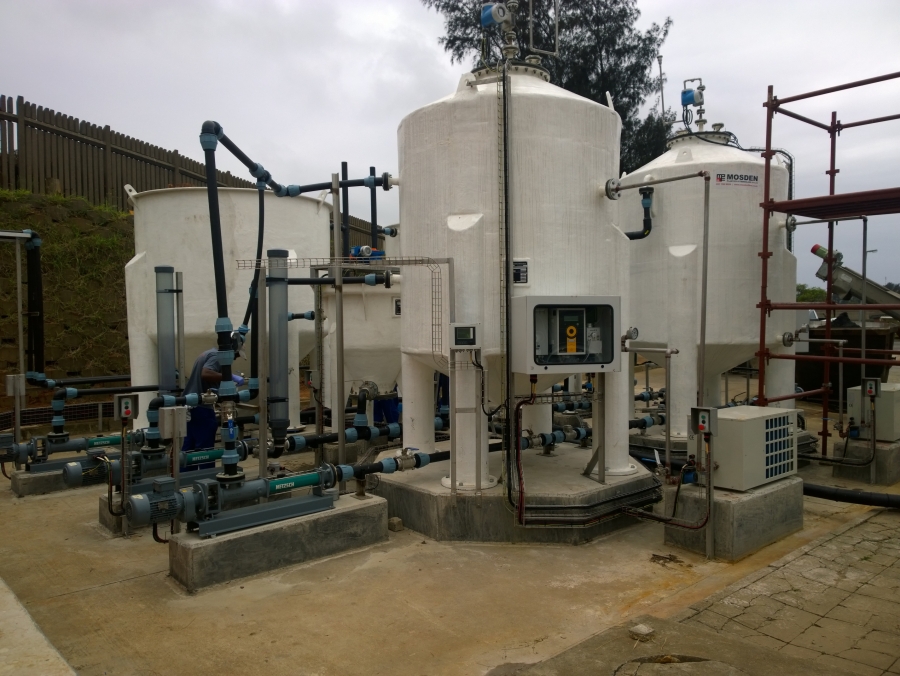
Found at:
<point>566,334</point>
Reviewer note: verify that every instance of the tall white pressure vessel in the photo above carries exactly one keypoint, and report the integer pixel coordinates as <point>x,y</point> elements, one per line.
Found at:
<point>171,227</point>
<point>561,148</point>
<point>666,266</point>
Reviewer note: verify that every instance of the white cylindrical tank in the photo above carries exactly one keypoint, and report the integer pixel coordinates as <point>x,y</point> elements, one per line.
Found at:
<point>561,149</point>
<point>666,265</point>
<point>171,227</point>
<point>371,339</point>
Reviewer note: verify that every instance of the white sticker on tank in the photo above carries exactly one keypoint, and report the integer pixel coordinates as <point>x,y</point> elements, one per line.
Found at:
<point>729,178</point>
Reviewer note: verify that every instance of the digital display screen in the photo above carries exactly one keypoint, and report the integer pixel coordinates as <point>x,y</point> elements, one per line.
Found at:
<point>464,335</point>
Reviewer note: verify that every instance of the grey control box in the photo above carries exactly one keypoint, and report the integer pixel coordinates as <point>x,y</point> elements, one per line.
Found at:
<point>125,406</point>
<point>704,420</point>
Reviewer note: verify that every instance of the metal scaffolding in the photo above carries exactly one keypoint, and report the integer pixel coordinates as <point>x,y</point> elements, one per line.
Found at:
<point>828,208</point>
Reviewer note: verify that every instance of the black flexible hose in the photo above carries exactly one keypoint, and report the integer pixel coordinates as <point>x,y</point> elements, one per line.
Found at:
<point>855,497</point>
<point>254,285</point>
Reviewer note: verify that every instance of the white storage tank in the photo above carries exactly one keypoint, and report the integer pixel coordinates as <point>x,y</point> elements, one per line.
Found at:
<point>371,338</point>
<point>561,149</point>
<point>666,266</point>
<point>171,227</point>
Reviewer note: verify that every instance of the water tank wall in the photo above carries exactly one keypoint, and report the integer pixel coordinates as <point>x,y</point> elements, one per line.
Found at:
<point>371,339</point>
<point>171,227</point>
<point>666,266</point>
<point>562,147</point>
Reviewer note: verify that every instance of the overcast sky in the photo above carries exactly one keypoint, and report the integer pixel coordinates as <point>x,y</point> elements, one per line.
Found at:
<point>301,85</point>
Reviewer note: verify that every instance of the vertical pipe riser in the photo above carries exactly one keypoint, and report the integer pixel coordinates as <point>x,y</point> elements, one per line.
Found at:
<point>165,328</point>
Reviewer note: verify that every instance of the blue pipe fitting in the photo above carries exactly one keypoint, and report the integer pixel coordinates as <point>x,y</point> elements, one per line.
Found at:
<point>556,388</point>
<point>647,201</point>
<point>71,393</point>
<point>309,314</point>
<point>394,430</point>
<point>524,443</point>
<point>389,466</point>
<point>444,410</point>
<point>360,420</point>
<point>244,396</point>
<point>346,472</point>
<point>648,420</point>
<point>588,387</point>
<point>58,405</point>
<point>423,459</point>
<point>296,443</point>
<point>369,181</point>
<point>168,400</point>
<point>370,279</point>
<point>350,435</point>
<point>191,400</point>
<point>438,423</point>
<point>230,455</point>
<point>58,420</point>
<point>258,171</point>
<point>374,433</point>
<point>293,190</point>
<point>223,324</point>
<point>51,384</point>
<point>227,389</point>
<point>260,185</point>
<point>580,433</point>
<point>209,141</point>
<point>225,357</point>
<point>253,383</point>
<point>558,406</point>
<point>152,433</point>
<point>390,232</point>
<point>152,416</point>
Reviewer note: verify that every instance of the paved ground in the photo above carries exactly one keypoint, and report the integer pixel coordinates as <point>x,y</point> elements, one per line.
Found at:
<point>835,602</point>
<point>24,650</point>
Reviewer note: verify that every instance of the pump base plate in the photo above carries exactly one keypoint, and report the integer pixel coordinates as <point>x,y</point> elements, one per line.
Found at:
<point>486,482</point>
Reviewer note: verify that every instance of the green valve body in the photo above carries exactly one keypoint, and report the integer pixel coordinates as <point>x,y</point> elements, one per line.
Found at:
<point>94,442</point>
<point>290,483</point>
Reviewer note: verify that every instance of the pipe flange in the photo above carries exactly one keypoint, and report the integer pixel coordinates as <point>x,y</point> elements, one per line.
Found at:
<point>223,478</point>
<point>787,339</point>
<point>612,189</point>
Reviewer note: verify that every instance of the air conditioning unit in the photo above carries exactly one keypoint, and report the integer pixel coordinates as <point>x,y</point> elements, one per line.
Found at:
<point>887,412</point>
<point>755,446</point>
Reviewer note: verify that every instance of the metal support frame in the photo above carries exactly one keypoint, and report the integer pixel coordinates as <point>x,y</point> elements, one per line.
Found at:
<point>830,209</point>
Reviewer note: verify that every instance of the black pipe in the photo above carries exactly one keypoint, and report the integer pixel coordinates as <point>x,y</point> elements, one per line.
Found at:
<point>855,497</point>
<point>380,278</point>
<point>374,202</point>
<point>90,380</point>
<point>62,394</point>
<point>208,139</point>
<point>251,303</point>
<point>35,279</point>
<point>345,213</point>
<point>646,202</point>
<point>509,437</point>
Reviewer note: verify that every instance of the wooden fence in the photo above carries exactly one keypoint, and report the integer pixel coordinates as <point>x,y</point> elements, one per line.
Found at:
<point>47,152</point>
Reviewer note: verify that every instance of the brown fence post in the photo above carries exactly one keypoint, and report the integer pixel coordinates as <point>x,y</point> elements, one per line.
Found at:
<point>107,166</point>
<point>176,168</point>
<point>21,150</point>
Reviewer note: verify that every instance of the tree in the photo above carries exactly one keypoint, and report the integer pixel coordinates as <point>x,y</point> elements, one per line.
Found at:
<point>810,294</point>
<point>600,51</point>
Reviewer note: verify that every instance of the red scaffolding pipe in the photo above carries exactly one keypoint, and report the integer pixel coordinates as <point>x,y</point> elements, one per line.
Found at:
<point>833,306</point>
<point>798,395</point>
<point>835,360</point>
<point>838,88</point>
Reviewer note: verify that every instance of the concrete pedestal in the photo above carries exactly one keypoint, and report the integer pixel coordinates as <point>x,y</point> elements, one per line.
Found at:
<point>744,522</point>
<point>111,523</point>
<point>198,563</point>
<point>24,483</point>
<point>424,505</point>
<point>887,462</point>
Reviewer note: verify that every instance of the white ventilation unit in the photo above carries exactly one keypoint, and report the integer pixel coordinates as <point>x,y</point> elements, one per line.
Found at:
<point>755,446</point>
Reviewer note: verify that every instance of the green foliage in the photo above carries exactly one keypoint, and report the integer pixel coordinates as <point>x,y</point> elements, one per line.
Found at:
<point>83,256</point>
<point>600,51</point>
<point>810,294</point>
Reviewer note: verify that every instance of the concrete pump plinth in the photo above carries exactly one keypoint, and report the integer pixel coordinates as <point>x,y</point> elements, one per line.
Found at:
<point>425,505</point>
<point>198,563</point>
<point>24,483</point>
<point>744,522</point>
<point>887,462</point>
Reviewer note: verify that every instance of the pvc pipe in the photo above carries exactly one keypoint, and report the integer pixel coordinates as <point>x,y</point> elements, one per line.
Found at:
<point>701,360</point>
<point>279,414</point>
<point>340,398</point>
<point>374,210</point>
<point>179,337</point>
<point>853,496</point>
<point>165,328</point>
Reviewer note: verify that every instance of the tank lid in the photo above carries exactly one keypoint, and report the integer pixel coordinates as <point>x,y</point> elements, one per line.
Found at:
<point>163,268</point>
<point>719,136</point>
<point>484,75</point>
<point>277,253</point>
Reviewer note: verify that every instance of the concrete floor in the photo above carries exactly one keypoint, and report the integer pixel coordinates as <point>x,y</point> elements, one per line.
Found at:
<point>410,606</point>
